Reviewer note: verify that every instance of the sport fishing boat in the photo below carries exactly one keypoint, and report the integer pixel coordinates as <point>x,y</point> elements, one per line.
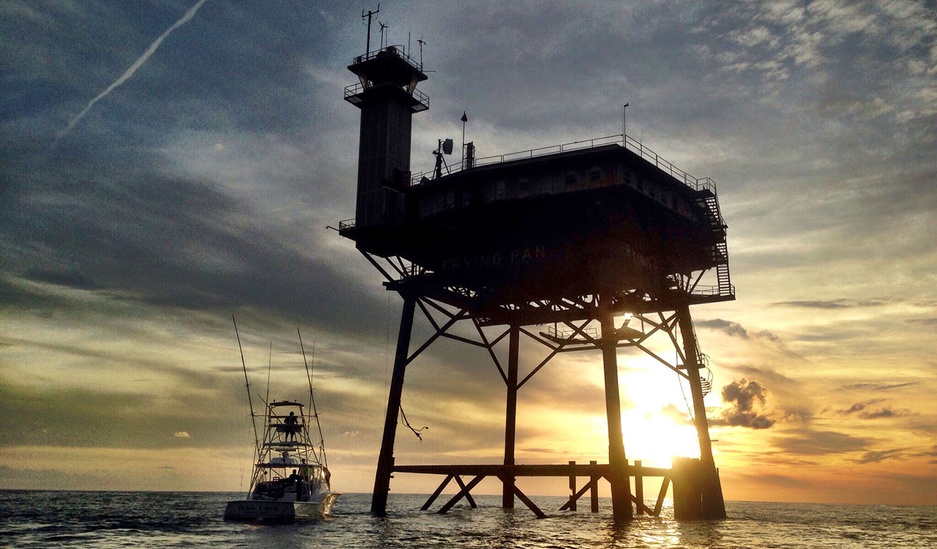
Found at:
<point>291,478</point>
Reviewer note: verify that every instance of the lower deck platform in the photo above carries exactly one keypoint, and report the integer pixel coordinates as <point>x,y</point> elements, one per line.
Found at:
<point>572,470</point>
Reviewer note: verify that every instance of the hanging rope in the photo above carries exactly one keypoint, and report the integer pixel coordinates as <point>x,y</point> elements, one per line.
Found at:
<point>407,423</point>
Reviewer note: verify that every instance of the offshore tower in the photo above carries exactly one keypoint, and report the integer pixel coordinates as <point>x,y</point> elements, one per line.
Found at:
<point>575,238</point>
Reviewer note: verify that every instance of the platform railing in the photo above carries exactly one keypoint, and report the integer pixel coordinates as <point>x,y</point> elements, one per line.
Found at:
<point>353,90</point>
<point>699,184</point>
<point>393,49</point>
<point>630,143</point>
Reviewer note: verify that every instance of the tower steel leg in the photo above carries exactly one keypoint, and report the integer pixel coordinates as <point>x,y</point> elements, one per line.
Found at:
<point>713,504</point>
<point>385,461</point>
<point>618,463</point>
<point>510,422</point>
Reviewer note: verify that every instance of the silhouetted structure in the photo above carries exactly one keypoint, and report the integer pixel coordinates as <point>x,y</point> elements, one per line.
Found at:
<point>570,237</point>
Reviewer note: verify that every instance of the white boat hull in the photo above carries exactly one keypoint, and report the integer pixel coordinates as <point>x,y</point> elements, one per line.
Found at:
<point>280,511</point>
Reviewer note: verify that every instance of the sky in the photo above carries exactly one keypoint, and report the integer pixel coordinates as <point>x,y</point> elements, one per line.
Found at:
<point>167,164</point>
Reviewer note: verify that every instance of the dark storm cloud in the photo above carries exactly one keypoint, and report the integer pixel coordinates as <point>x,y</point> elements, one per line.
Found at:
<point>746,400</point>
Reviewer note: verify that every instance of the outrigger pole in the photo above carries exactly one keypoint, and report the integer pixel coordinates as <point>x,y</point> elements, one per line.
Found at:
<point>312,398</point>
<point>247,384</point>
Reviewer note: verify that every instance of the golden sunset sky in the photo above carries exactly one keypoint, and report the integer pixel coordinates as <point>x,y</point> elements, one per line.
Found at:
<point>167,164</point>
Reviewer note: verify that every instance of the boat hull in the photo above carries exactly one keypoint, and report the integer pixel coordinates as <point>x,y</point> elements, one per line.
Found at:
<point>279,511</point>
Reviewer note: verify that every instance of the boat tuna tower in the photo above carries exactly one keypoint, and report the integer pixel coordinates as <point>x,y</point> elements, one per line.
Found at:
<point>573,238</point>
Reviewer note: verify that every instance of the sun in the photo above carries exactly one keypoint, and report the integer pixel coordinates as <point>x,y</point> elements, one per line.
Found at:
<point>656,439</point>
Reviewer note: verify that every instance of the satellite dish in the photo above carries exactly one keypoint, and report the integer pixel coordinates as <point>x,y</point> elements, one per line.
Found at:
<point>447,146</point>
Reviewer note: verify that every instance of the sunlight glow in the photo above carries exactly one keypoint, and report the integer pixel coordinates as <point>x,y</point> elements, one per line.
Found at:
<point>656,439</point>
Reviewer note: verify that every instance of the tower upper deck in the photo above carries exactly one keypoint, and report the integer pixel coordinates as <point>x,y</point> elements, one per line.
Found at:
<point>602,219</point>
<point>387,71</point>
<point>545,228</point>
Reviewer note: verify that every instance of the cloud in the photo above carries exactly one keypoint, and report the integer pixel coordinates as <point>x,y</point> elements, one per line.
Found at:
<point>879,387</point>
<point>819,443</point>
<point>864,410</point>
<point>729,327</point>
<point>201,189</point>
<point>932,321</point>
<point>878,456</point>
<point>932,454</point>
<point>746,401</point>
<point>736,330</point>
<point>833,303</point>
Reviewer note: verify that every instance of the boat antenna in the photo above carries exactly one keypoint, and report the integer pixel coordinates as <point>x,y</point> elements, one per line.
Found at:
<point>312,398</point>
<point>247,384</point>
<point>269,367</point>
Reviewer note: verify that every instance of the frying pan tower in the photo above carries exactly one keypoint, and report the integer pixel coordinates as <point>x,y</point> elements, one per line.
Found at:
<point>589,239</point>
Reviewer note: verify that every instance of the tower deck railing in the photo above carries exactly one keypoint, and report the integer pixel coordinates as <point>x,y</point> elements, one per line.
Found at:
<point>353,92</point>
<point>630,143</point>
<point>395,49</point>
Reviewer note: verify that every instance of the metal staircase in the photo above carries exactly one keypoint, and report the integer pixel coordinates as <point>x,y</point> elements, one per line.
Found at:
<point>720,252</point>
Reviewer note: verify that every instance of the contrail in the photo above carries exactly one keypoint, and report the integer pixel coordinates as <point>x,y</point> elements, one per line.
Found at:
<point>133,68</point>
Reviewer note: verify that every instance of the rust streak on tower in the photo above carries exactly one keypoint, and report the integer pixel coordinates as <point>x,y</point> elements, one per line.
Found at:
<point>574,238</point>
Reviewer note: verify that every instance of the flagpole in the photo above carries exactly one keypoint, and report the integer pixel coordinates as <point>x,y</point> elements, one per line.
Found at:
<point>464,120</point>
<point>624,126</point>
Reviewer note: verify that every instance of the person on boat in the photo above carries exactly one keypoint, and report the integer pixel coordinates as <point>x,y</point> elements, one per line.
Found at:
<point>291,426</point>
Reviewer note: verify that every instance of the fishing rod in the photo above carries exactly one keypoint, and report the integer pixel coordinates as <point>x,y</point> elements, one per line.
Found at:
<point>312,398</point>
<point>247,383</point>
<point>269,367</point>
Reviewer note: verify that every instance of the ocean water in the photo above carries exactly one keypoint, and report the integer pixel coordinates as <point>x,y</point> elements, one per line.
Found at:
<point>190,519</point>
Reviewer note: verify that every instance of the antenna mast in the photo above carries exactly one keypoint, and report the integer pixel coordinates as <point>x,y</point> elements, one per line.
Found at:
<point>247,383</point>
<point>369,14</point>
<point>422,43</point>
<point>312,398</point>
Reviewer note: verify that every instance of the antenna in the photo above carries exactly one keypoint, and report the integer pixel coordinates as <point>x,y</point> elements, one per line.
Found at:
<point>624,126</point>
<point>422,43</point>
<point>248,385</point>
<point>445,147</point>
<point>312,398</point>
<point>367,52</point>
<point>269,368</point>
